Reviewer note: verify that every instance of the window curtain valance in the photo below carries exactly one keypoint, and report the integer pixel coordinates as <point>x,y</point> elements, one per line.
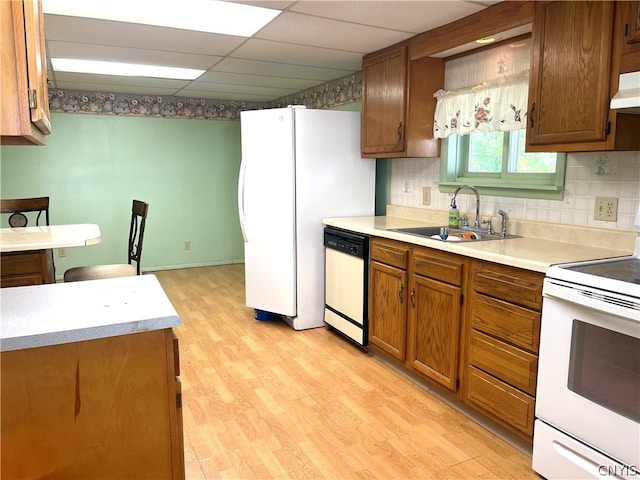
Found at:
<point>497,105</point>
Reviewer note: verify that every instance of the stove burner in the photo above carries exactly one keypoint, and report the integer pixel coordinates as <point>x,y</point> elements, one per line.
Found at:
<point>625,269</point>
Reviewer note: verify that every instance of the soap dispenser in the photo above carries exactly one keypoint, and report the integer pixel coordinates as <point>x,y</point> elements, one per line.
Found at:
<point>454,215</point>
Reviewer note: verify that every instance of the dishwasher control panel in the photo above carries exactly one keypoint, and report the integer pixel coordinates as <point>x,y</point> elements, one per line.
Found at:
<point>345,242</point>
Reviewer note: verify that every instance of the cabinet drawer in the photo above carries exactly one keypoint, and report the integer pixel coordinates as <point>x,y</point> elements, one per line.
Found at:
<point>522,287</point>
<point>437,265</point>
<point>501,400</point>
<point>511,323</point>
<point>20,263</point>
<point>389,252</point>
<point>509,364</point>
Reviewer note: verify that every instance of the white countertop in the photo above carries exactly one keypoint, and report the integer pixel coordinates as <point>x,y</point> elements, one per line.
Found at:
<point>55,236</point>
<point>42,315</point>
<point>534,254</point>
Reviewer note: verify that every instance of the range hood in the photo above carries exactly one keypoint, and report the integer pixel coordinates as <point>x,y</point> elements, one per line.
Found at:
<point>627,100</point>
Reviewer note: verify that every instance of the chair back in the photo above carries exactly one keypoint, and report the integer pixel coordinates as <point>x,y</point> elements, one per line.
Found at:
<point>17,207</point>
<point>136,231</point>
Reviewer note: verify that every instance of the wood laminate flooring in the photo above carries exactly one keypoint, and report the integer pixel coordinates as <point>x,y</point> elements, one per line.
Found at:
<point>261,400</point>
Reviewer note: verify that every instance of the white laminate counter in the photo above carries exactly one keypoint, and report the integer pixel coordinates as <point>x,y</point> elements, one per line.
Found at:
<point>534,254</point>
<point>42,315</point>
<point>47,237</point>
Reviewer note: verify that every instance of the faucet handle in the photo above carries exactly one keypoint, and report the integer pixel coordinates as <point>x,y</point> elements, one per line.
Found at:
<point>464,221</point>
<point>489,225</point>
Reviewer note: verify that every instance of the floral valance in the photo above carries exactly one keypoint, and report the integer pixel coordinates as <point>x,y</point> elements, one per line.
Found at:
<point>499,105</point>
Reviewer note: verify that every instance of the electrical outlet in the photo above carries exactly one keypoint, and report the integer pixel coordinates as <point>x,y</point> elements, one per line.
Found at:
<point>187,244</point>
<point>426,195</point>
<point>606,209</point>
<point>62,252</point>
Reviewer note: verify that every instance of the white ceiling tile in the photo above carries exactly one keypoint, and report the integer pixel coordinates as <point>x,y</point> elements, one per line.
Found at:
<point>269,51</point>
<point>61,77</point>
<point>114,88</point>
<point>130,35</point>
<point>254,67</point>
<point>297,28</point>
<point>407,16</point>
<point>260,80</point>
<point>130,55</point>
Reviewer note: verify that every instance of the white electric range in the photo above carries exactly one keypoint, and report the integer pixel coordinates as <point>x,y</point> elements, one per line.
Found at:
<point>588,393</point>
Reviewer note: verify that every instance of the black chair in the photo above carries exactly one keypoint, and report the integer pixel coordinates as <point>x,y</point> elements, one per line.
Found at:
<point>18,207</point>
<point>136,236</point>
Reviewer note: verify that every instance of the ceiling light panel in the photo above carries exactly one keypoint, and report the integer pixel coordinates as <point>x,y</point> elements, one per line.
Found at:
<point>199,15</point>
<point>123,69</point>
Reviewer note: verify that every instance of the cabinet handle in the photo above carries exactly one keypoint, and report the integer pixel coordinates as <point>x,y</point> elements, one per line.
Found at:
<point>400,292</point>
<point>400,131</point>
<point>413,298</point>
<point>533,108</point>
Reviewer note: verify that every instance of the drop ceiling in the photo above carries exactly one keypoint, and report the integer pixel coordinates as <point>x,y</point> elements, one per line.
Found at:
<point>309,43</point>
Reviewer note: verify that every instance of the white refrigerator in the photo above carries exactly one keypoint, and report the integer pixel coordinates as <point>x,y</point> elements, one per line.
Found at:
<point>298,167</point>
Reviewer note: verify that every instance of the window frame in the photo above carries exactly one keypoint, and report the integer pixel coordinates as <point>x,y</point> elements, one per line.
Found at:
<point>454,173</point>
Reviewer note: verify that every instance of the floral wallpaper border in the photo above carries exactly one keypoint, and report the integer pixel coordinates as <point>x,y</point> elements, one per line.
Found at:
<point>331,94</point>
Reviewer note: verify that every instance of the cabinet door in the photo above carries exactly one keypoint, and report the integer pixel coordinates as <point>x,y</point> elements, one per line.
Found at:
<point>387,309</point>
<point>435,327</point>
<point>36,65</point>
<point>632,33</point>
<point>24,116</point>
<point>384,79</point>
<point>426,76</point>
<point>570,73</point>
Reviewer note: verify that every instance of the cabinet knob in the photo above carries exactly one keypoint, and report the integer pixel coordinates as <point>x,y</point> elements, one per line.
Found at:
<point>413,298</point>
<point>400,131</point>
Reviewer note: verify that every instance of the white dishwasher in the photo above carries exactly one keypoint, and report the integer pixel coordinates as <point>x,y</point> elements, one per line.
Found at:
<point>346,288</point>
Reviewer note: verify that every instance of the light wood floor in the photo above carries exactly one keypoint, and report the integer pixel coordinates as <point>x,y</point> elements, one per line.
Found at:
<point>261,400</point>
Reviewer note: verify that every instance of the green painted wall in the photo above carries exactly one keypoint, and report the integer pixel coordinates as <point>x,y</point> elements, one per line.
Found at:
<point>94,166</point>
<point>187,170</point>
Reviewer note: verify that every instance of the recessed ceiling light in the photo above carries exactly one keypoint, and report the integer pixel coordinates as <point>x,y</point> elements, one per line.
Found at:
<point>485,40</point>
<point>123,69</point>
<point>200,15</point>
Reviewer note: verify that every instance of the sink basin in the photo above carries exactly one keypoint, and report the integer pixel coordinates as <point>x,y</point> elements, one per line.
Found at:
<point>454,234</point>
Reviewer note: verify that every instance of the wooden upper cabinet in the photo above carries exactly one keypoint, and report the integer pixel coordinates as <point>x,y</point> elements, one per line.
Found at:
<point>575,62</point>
<point>25,98</point>
<point>632,33</point>
<point>384,86</point>
<point>630,26</point>
<point>570,73</point>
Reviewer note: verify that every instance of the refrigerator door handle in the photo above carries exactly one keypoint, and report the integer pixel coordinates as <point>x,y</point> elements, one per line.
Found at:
<point>243,169</point>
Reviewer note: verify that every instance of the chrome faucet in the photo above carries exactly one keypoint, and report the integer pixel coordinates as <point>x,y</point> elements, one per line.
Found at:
<point>476,224</point>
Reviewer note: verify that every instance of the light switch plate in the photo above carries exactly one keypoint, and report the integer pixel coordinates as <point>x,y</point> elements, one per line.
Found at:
<point>606,209</point>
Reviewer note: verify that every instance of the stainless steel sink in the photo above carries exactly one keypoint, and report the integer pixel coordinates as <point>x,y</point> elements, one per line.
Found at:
<point>443,232</point>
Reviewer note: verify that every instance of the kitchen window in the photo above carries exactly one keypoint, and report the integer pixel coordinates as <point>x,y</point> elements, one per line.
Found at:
<point>483,141</point>
<point>496,162</point>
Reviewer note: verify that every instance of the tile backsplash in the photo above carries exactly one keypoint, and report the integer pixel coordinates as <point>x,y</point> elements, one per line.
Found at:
<point>588,175</point>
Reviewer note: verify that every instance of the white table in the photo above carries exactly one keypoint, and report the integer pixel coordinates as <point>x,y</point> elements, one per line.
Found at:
<point>55,236</point>
<point>26,253</point>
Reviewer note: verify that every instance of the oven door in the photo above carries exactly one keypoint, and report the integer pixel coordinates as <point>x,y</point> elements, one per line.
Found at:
<point>589,369</point>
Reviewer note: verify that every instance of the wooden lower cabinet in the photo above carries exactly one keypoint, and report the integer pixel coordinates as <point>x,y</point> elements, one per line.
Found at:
<point>502,343</point>
<point>388,294</point>
<point>105,408</point>
<point>34,267</point>
<point>468,325</point>
<point>435,315</point>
